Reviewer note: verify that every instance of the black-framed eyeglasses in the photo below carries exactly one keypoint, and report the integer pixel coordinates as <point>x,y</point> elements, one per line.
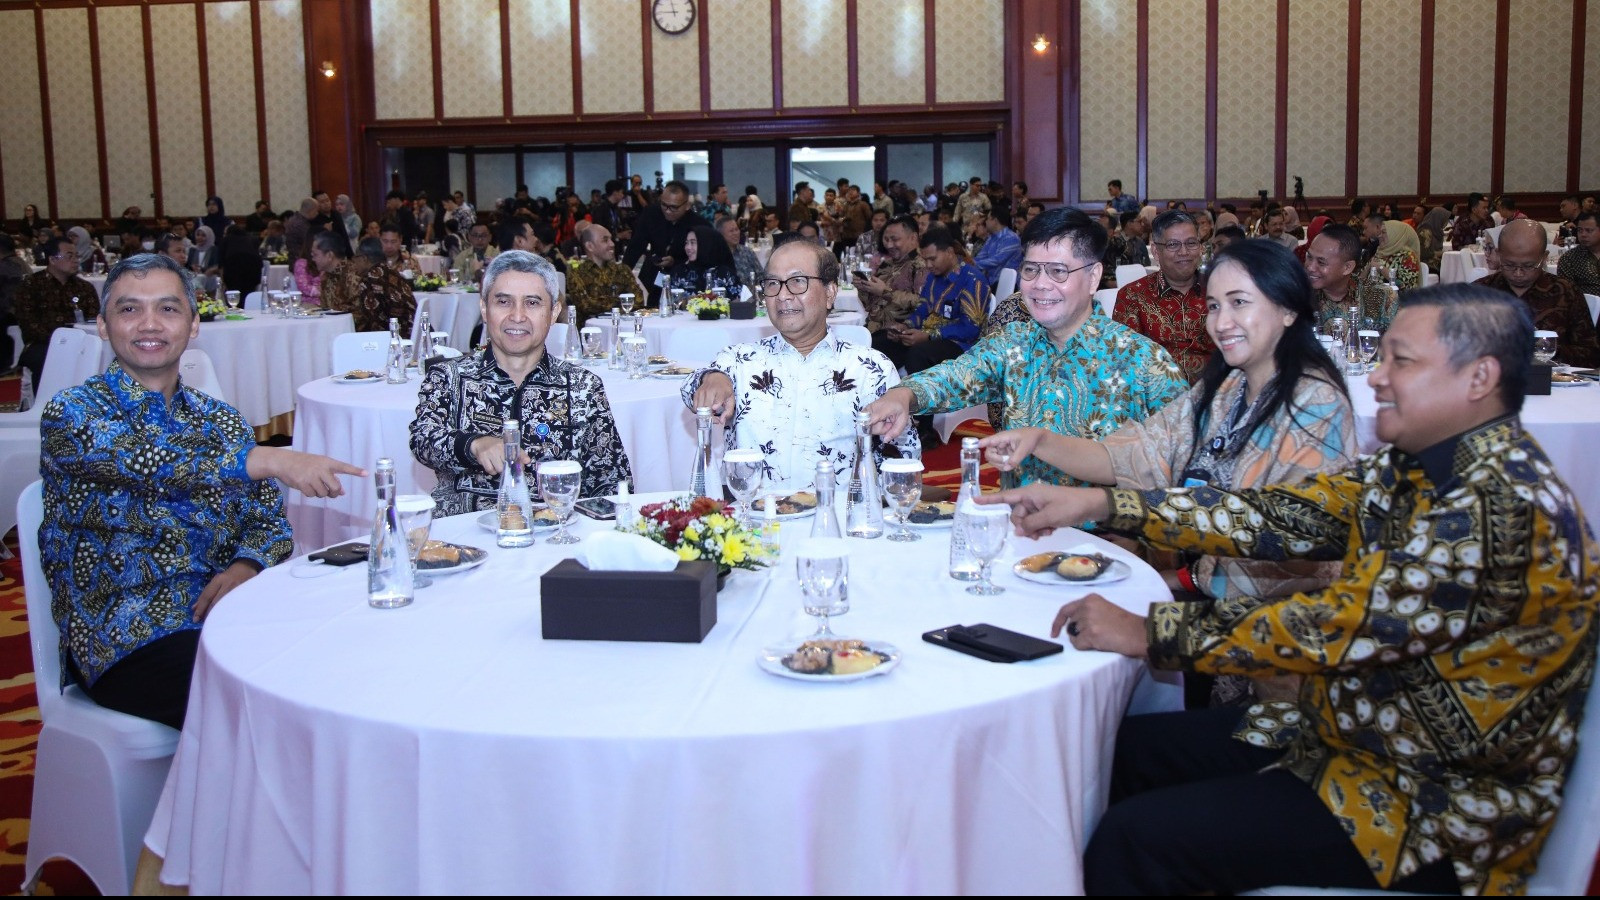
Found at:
<point>1175,246</point>
<point>1520,267</point>
<point>1058,272</point>
<point>797,285</point>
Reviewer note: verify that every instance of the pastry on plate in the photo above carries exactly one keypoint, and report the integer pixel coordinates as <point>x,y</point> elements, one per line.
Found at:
<point>1082,566</point>
<point>1040,562</point>
<point>927,513</point>
<point>797,502</point>
<point>354,374</point>
<point>439,553</point>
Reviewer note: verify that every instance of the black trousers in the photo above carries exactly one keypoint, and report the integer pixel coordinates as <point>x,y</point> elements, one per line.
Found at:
<point>925,355</point>
<point>1191,812</point>
<point>152,682</point>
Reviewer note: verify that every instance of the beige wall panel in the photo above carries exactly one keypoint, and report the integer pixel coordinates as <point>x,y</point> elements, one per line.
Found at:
<point>613,66</point>
<point>1589,152</point>
<point>976,73</point>
<point>815,54</point>
<point>183,163</point>
<point>541,54</point>
<point>72,126</point>
<point>1389,83</point>
<point>1247,48</point>
<point>1109,124</point>
<point>1463,30</point>
<point>741,54</point>
<point>889,45</point>
<point>283,75</point>
<point>1177,139</point>
<point>469,58</point>
<point>1318,35</point>
<point>1538,78</point>
<point>127,110</point>
<point>675,59</point>
<point>235,156</point>
<point>22,125</point>
<point>402,59</point>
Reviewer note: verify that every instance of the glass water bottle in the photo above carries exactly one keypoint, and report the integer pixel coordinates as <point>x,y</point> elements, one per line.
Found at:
<point>863,506</point>
<point>702,451</point>
<point>964,566</point>
<point>390,579</point>
<point>515,504</point>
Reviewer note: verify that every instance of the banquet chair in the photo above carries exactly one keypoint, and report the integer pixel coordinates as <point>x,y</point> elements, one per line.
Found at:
<point>1108,300</point>
<point>555,342</point>
<point>1428,278</point>
<point>74,355</point>
<point>441,312</point>
<point>15,334</point>
<point>252,300</point>
<point>695,344</point>
<point>361,350</point>
<point>98,772</point>
<point>1477,272</point>
<point>1567,859</point>
<point>1129,274</point>
<point>197,371</point>
<point>1594,306</point>
<point>853,334</point>
<point>1004,287</point>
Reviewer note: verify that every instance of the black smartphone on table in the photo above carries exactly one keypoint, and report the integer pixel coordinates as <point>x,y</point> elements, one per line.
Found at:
<point>597,508</point>
<point>342,554</point>
<point>991,642</point>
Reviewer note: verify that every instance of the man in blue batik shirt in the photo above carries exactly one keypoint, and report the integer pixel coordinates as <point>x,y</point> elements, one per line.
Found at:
<point>1120,203</point>
<point>157,501</point>
<point>1001,249</point>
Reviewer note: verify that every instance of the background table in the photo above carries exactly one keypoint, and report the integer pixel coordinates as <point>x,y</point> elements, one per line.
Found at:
<point>740,331</point>
<point>447,748</point>
<point>361,422</point>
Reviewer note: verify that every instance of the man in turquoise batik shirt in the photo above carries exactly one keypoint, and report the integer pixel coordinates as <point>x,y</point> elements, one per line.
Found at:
<point>1069,369</point>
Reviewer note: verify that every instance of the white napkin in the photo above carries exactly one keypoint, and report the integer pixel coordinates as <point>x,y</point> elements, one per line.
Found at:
<point>614,551</point>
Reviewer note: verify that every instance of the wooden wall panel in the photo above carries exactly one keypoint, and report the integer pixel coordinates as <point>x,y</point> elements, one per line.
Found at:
<point>175,45</point>
<point>1389,84</point>
<point>1318,31</point>
<point>1247,48</point>
<point>1109,99</point>
<point>22,126</point>
<point>613,67</point>
<point>741,54</point>
<point>1177,104</point>
<point>1589,152</point>
<point>970,35</point>
<point>236,156</point>
<point>1463,95</point>
<point>127,117</point>
<point>402,59</point>
<point>889,52</point>
<point>541,53</point>
<point>1537,82</point>
<point>675,66</point>
<point>469,58</point>
<point>283,60</point>
<point>77,157</point>
<point>815,55</point>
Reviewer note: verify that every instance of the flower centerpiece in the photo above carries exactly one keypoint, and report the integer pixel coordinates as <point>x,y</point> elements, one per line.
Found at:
<point>210,308</point>
<point>429,283</point>
<point>702,528</point>
<point>279,259</point>
<point>708,306</point>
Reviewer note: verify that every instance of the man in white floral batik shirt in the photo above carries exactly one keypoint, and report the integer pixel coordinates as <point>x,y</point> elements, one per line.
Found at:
<point>794,395</point>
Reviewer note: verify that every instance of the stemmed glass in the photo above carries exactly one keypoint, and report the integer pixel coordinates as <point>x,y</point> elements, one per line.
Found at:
<point>231,298</point>
<point>742,471</point>
<point>985,528</point>
<point>902,487</point>
<point>626,302</point>
<point>1368,345</point>
<point>415,513</point>
<point>635,351</point>
<point>559,480</point>
<point>1544,347</point>
<point>823,567</point>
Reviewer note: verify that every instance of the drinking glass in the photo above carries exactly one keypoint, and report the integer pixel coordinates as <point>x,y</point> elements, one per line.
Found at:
<point>985,528</point>
<point>455,276</point>
<point>635,351</point>
<point>559,480</point>
<point>626,302</point>
<point>231,298</point>
<point>680,298</point>
<point>590,335</point>
<point>902,487</point>
<point>823,568</point>
<point>742,471</point>
<point>415,513</point>
<point>1368,346</point>
<point>1544,347</point>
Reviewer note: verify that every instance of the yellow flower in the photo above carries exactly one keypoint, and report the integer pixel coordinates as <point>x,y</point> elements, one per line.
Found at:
<point>692,533</point>
<point>688,553</point>
<point>733,550</point>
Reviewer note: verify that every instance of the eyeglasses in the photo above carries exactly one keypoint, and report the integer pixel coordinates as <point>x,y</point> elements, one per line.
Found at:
<point>1520,267</point>
<point>65,254</point>
<point>1175,246</point>
<point>1058,272</point>
<point>671,207</point>
<point>797,285</point>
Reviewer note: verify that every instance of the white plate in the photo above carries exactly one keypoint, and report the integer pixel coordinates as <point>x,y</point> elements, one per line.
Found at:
<point>1582,382</point>
<point>1117,571</point>
<point>490,521</point>
<point>664,374</point>
<point>479,557</point>
<point>771,662</point>
<point>935,525</point>
<point>345,379</point>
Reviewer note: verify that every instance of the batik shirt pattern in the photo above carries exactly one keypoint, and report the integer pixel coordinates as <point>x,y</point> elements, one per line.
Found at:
<point>145,501</point>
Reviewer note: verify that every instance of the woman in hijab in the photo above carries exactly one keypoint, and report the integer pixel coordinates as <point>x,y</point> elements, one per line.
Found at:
<point>1398,252</point>
<point>205,258</point>
<point>1430,233</point>
<point>214,219</point>
<point>1312,230</point>
<point>88,254</point>
<point>1227,217</point>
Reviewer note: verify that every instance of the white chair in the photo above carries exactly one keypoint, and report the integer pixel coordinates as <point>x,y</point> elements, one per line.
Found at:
<point>1129,274</point>
<point>1477,272</point>
<point>252,300</point>
<point>695,344</point>
<point>1428,278</point>
<point>196,370</point>
<point>74,355</point>
<point>1594,306</point>
<point>1107,298</point>
<point>16,345</point>
<point>947,423</point>
<point>98,772</point>
<point>441,312</point>
<point>555,342</point>
<point>853,334</point>
<point>1004,287</point>
<point>360,350</point>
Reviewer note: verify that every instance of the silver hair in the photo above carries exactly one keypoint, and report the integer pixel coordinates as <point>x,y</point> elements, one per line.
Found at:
<point>523,261</point>
<point>143,263</point>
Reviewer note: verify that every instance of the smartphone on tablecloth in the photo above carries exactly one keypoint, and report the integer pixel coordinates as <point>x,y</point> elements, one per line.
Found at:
<point>597,508</point>
<point>992,642</point>
<point>342,554</point>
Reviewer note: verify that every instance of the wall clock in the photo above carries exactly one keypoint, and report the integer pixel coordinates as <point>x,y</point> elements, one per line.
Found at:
<point>673,16</point>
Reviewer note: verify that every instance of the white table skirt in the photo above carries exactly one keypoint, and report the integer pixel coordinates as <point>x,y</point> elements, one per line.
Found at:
<point>740,331</point>
<point>447,748</point>
<point>261,362</point>
<point>1566,424</point>
<point>360,422</point>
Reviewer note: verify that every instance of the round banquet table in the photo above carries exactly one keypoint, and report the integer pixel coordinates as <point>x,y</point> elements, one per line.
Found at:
<point>360,422</point>
<point>446,747</point>
<point>263,360</point>
<point>1566,424</point>
<point>740,331</point>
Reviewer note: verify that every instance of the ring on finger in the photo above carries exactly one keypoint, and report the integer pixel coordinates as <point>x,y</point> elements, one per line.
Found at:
<point>1072,628</point>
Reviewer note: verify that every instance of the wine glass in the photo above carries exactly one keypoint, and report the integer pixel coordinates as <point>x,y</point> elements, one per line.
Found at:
<point>1368,346</point>
<point>559,480</point>
<point>823,568</point>
<point>590,336</point>
<point>742,471</point>
<point>985,528</point>
<point>1544,347</point>
<point>902,487</point>
<point>415,515</point>
<point>231,298</point>
<point>635,351</point>
<point>626,302</point>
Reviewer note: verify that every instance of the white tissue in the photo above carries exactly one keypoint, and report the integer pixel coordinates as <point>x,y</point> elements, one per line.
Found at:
<point>614,551</point>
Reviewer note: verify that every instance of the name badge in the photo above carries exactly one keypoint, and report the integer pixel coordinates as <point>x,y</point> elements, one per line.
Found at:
<point>1196,478</point>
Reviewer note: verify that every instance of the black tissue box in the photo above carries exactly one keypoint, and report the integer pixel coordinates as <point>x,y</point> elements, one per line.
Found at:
<point>579,605</point>
<point>741,309</point>
<point>1538,381</point>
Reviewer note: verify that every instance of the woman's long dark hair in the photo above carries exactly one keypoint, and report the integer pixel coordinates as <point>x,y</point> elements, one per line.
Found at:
<point>1279,276</point>
<point>712,252</point>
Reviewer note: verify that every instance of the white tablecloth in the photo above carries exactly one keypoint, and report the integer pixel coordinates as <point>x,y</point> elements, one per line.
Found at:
<point>1566,424</point>
<point>447,748</point>
<point>739,330</point>
<point>466,317</point>
<point>1456,265</point>
<point>262,361</point>
<point>361,422</point>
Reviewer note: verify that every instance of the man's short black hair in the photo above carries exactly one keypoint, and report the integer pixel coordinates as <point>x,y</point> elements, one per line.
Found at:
<point>1508,203</point>
<point>1127,217</point>
<point>1235,233</point>
<point>1086,238</point>
<point>938,237</point>
<point>1345,238</point>
<point>371,249</point>
<point>1477,321</point>
<point>675,185</point>
<point>163,243</point>
<point>1587,215</point>
<point>1115,182</point>
<point>1474,198</point>
<point>1171,218</point>
<point>1020,184</point>
<point>616,184</point>
<point>389,226</point>
<point>395,195</point>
